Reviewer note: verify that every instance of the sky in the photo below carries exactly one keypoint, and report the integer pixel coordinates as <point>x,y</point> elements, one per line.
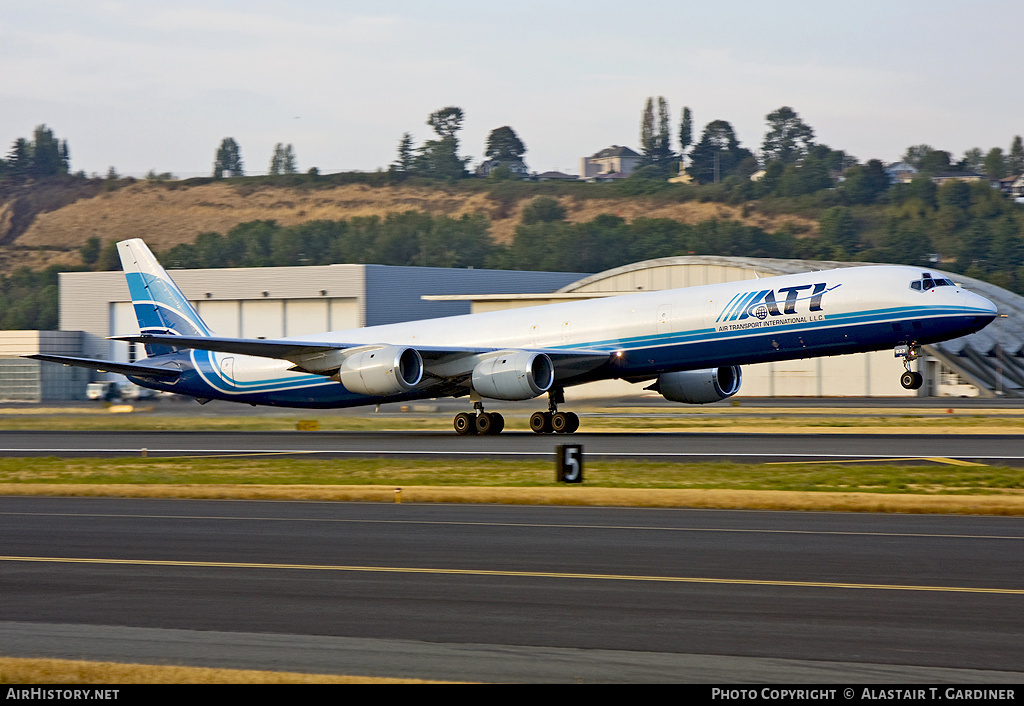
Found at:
<point>140,85</point>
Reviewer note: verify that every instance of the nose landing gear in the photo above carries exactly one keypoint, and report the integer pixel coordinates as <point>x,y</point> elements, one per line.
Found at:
<point>910,380</point>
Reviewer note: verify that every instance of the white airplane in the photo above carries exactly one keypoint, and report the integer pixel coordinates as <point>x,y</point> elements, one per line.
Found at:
<point>690,342</point>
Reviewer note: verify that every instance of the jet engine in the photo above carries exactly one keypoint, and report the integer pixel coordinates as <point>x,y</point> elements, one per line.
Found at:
<point>387,370</point>
<point>699,386</point>
<point>514,375</point>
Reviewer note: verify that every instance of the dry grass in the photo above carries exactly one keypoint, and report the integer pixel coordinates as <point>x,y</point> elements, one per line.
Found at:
<point>1011,504</point>
<point>166,217</point>
<point>63,671</point>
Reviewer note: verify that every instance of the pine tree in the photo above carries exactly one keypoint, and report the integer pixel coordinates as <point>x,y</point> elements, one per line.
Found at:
<point>1016,160</point>
<point>228,159</point>
<point>276,160</point>
<point>685,132</point>
<point>288,160</point>
<point>404,160</point>
<point>663,150</point>
<point>648,145</point>
<point>788,139</point>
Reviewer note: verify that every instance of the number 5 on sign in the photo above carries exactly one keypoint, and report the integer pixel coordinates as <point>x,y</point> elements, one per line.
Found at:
<point>569,463</point>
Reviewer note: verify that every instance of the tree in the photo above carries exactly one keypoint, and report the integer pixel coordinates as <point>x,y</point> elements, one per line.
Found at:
<point>1016,161</point>
<point>718,154</point>
<point>228,159</point>
<point>788,138</point>
<point>662,146</point>
<point>44,156</point>
<point>446,122</point>
<point>283,161</point>
<point>914,155</point>
<point>864,184</point>
<point>49,155</point>
<point>838,229</point>
<point>404,161</point>
<point>19,159</point>
<point>543,209</point>
<point>972,161</point>
<point>647,133</point>
<point>935,162</point>
<point>440,158</point>
<point>503,143</point>
<point>91,250</point>
<point>685,132</point>
<point>995,164</point>
<point>655,141</point>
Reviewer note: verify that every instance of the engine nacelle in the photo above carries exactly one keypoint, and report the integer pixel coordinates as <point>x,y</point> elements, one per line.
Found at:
<point>387,370</point>
<point>515,375</point>
<point>699,386</point>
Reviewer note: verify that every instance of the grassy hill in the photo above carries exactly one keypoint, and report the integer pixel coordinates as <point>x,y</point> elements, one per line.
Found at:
<point>47,225</point>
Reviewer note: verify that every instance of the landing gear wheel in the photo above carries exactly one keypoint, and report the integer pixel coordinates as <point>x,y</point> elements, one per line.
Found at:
<point>540,422</point>
<point>911,380</point>
<point>564,422</point>
<point>489,423</point>
<point>465,423</point>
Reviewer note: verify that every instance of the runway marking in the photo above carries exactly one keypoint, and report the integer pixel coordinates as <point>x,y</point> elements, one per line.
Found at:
<point>527,525</point>
<point>512,574</point>
<point>934,459</point>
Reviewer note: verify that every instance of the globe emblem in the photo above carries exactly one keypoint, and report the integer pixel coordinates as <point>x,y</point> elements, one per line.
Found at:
<point>761,312</point>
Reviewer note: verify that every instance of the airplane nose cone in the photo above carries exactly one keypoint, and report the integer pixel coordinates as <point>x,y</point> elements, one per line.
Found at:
<point>985,309</point>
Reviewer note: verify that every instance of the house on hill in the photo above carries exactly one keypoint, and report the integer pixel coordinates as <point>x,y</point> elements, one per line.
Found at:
<point>900,173</point>
<point>516,166</point>
<point>612,162</point>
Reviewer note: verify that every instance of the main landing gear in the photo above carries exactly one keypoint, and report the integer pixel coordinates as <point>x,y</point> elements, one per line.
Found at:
<point>553,420</point>
<point>909,379</point>
<point>478,422</point>
<point>481,422</point>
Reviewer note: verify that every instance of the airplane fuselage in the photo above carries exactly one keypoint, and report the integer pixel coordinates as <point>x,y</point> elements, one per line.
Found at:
<point>806,315</point>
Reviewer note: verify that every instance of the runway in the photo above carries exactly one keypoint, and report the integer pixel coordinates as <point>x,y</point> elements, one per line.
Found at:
<point>501,593</point>
<point>1006,449</point>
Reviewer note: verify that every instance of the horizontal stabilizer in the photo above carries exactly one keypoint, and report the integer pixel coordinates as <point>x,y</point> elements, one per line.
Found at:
<point>140,370</point>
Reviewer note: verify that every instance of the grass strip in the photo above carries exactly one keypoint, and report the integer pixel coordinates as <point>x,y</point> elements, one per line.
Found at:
<point>923,487</point>
<point>14,670</point>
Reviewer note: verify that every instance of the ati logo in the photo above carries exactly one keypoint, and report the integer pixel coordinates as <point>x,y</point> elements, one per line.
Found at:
<point>770,302</point>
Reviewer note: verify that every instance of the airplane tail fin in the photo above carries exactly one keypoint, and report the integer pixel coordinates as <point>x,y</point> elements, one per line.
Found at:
<point>160,307</point>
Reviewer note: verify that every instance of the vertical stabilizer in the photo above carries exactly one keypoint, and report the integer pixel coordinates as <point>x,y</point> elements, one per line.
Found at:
<point>160,307</point>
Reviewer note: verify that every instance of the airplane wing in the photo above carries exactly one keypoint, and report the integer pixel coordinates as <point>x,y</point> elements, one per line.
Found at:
<point>156,372</point>
<point>442,361</point>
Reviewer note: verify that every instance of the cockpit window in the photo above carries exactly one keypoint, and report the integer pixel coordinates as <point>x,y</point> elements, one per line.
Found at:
<point>928,282</point>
